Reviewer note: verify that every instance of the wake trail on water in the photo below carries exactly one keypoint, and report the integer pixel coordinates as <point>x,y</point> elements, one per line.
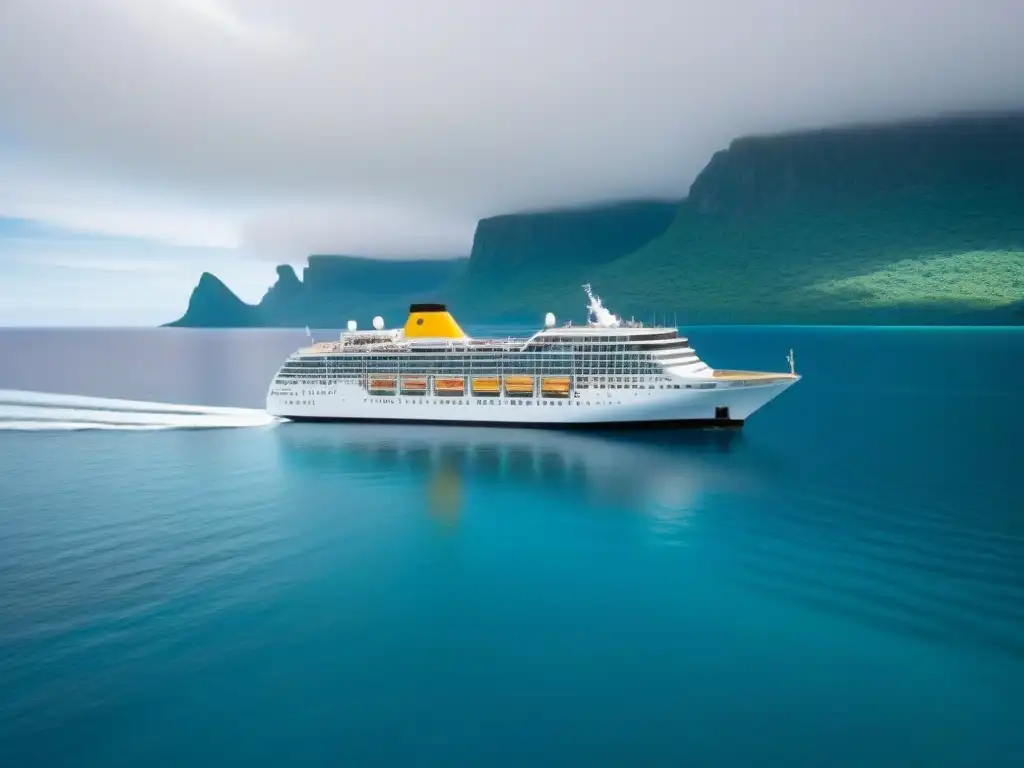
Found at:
<point>44,411</point>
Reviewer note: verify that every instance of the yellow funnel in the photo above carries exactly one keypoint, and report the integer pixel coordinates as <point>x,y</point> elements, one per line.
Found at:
<point>431,321</point>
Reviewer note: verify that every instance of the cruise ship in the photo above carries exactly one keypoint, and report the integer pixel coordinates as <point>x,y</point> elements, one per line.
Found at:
<point>607,373</point>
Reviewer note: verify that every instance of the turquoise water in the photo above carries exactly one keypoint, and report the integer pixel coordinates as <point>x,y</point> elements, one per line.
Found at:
<point>841,583</point>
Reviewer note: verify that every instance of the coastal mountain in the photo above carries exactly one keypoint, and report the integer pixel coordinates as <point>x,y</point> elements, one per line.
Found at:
<point>919,222</point>
<point>531,242</point>
<point>842,168</point>
<point>519,255</point>
<point>515,247</point>
<point>916,222</point>
<point>214,305</point>
<point>332,290</point>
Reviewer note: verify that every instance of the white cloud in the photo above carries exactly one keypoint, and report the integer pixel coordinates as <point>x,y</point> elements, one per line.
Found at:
<point>31,188</point>
<point>223,18</point>
<point>295,124</point>
<point>366,228</point>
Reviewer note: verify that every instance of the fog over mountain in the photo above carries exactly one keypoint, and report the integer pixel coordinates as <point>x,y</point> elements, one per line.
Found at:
<point>389,128</point>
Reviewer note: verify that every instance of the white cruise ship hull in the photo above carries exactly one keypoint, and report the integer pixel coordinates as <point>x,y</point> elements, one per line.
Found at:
<point>604,374</point>
<point>705,403</point>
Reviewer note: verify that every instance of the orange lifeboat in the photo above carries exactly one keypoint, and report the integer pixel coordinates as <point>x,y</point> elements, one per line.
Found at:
<point>555,386</point>
<point>414,385</point>
<point>486,385</point>
<point>450,386</point>
<point>382,384</point>
<point>519,385</point>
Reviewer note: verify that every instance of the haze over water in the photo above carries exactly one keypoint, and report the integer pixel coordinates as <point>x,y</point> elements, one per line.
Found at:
<point>841,583</point>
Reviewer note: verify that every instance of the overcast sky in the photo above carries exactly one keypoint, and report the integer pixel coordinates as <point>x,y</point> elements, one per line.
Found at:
<point>238,133</point>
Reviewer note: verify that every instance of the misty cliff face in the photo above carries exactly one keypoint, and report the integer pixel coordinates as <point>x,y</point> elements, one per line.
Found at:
<point>333,290</point>
<point>341,288</point>
<point>917,222</point>
<point>584,237</point>
<point>834,168</point>
<point>914,222</point>
<point>347,275</point>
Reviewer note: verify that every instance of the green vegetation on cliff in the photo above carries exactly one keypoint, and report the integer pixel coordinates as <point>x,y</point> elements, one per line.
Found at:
<point>890,261</point>
<point>575,237</point>
<point>919,222</point>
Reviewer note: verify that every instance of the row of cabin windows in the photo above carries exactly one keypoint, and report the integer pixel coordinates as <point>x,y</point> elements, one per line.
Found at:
<point>581,374</point>
<point>587,352</point>
<point>580,378</point>
<point>481,370</point>
<point>594,382</point>
<point>614,339</point>
<point>617,349</point>
<point>587,346</point>
<point>509,361</point>
<point>617,386</point>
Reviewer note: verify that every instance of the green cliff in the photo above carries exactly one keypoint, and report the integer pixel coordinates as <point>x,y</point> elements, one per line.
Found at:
<point>918,222</point>
<point>577,237</point>
<point>909,223</point>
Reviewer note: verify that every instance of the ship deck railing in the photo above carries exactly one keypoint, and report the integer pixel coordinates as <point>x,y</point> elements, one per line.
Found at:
<point>510,344</point>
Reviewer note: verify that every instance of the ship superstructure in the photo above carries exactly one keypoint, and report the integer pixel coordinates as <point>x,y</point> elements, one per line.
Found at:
<point>602,374</point>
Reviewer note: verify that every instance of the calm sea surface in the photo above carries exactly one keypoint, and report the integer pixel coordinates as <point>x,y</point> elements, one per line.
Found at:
<point>841,583</point>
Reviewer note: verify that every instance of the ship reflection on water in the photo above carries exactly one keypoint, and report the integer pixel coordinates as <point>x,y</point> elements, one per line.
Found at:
<point>445,494</point>
<point>647,472</point>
